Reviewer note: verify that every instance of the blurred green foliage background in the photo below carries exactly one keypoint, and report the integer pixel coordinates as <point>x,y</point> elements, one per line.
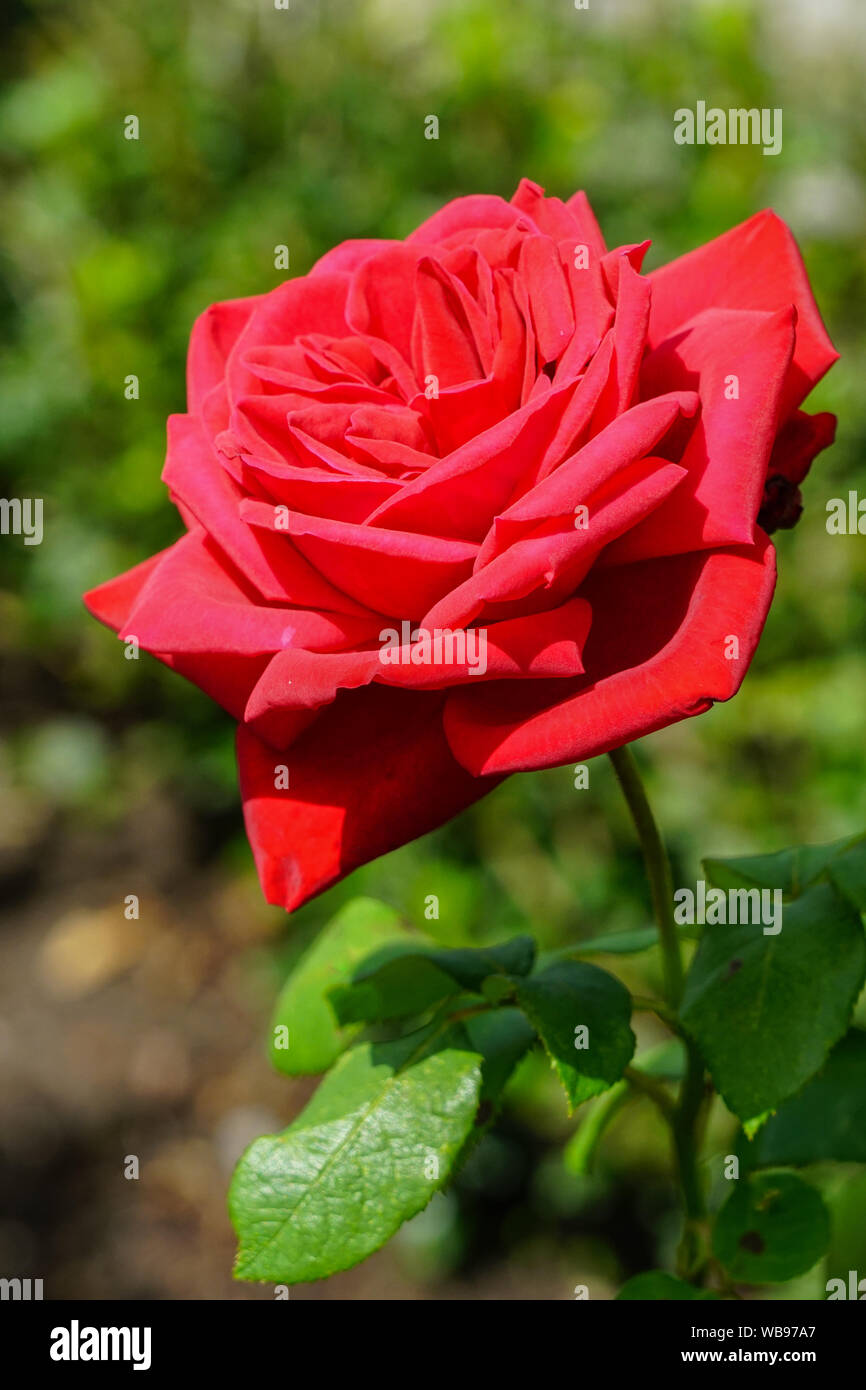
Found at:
<point>305,126</point>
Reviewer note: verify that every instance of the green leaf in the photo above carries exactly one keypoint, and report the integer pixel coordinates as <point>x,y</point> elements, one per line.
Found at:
<point>404,978</point>
<point>314,1038</point>
<point>405,984</point>
<point>501,1037</point>
<point>751,1127</point>
<point>618,943</point>
<point>571,996</point>
<point>827,1119</point>
<point>470,965</point>
<point>666,1061</point>
<point>498,989</point>
<point>848,872</point>
<point>773,1227</point>
<point>656,1284</point>
<point>377,1139</point>
<point>765,1010</point>
<point>793,870</point>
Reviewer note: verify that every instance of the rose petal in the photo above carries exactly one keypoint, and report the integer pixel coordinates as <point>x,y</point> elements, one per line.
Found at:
<point>576,481</point>
<point>459,495</point>
<point>541,271</point>
<point>391,571</point>
<point>350,800</point>
<point>628,334</point>
<point>214,334</point>
<point>463,215</point>
<point>382,296</point>
<point>590,232</point>
<point>311,304</point>
<point>111,602</point>
<point>726,456</point>
<point>191,603</point>
<point>798,441</point>
<point>656,654</point>
<point>443,343</point>
<point>540,647</point>
<point>756,265</point>
<point>227,679</point>
<point>349,255</point>
<point>196,479</point>
<point>543,567</point>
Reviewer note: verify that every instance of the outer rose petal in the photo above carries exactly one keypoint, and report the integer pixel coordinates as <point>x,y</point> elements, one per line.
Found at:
<point>191,603</point>
<point>727,453</point>
<point>350,254</point>
<point>656,654</point>
<point>800,439</point>
<point>798,442</point>
<point>213,336</point>
<point>200,484</point>
<point>756,265</point>
<point>209,495</point>
<point>111,602</point>
<point>226,679</point>
<point>352,798</point>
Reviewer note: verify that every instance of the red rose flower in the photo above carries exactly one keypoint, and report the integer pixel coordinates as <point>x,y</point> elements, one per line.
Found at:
<point>500,438</point>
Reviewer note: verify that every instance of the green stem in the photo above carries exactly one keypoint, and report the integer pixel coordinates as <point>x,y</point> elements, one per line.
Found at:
<point>581,1148</point>
<point>685,1114</point>
<point>684,1127</point>
<point>657,866</point>
<point>648,1086</point>
<point>643,1004</point>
